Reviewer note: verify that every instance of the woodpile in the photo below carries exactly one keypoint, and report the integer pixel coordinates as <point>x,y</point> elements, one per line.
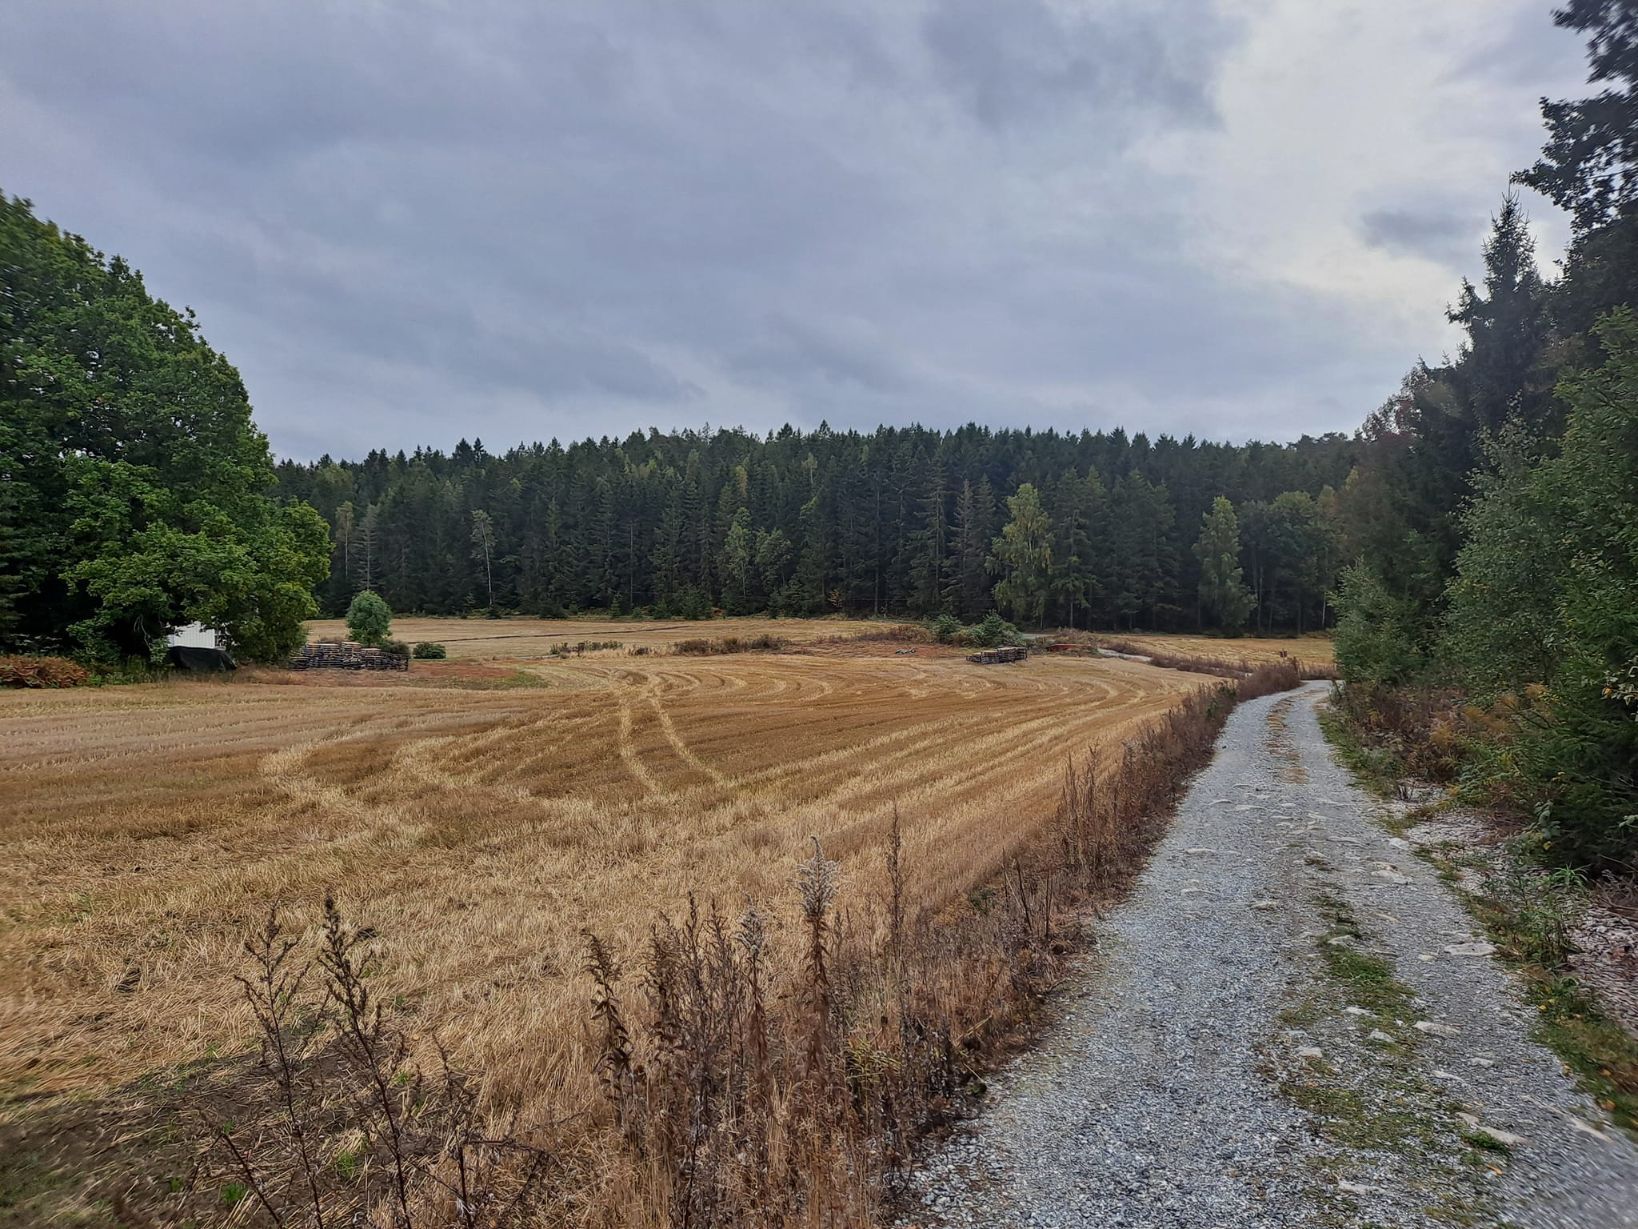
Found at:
<point>990,657</point>
<point>345,655</point>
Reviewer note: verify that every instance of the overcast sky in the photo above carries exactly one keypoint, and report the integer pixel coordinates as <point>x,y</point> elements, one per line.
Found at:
<point>411,222</point>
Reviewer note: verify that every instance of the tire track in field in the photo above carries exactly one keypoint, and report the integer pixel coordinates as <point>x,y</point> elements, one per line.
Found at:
<point>628,752</point>
<point>684,753</point>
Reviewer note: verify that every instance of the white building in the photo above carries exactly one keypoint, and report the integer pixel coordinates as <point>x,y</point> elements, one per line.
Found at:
<point>193,636</point>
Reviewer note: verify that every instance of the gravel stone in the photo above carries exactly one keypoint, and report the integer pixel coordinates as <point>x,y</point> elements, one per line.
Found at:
<point>1156,1102</point>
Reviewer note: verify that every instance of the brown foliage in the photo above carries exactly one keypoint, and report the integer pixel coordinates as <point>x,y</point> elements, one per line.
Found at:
<point>723,645</point>
<point>339,1122</point>
<point>21,671</point>
<point>802,1106</point>
<point>1287,666</point>
<point>888,633</point>
<point>1420,731</point>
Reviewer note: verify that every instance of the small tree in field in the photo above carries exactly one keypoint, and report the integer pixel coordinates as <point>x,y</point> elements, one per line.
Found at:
<point>368,618</point>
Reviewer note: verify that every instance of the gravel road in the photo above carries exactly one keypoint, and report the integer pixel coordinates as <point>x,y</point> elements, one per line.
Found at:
<point>1290,1022</point>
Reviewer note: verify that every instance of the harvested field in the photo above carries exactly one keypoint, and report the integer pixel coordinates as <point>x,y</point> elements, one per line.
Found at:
<point>476,831</point>
<point>519,637</point>
<point>1307,650</point>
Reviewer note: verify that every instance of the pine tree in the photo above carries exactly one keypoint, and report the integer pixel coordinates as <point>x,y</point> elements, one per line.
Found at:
<point>736,562</point>
<point>1078,505</point>
<point>930,541</point>
<point>368,530</point>
<point>1497,371</point>
<point>1143,563</point>
<point>1589,166</point>
<point>968,584</point>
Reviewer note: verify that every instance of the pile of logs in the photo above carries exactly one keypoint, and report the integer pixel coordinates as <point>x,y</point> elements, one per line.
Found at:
<point>990,657</point>
<point>345,655</point>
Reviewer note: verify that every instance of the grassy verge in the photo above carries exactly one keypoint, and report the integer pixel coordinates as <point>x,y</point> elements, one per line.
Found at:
<point>1376,1106</point>
<point>1374,768</point>
<point>1525,911</point>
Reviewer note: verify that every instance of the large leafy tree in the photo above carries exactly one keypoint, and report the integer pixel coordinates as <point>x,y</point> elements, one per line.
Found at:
<point>369,619</point>
<point>137,489</point>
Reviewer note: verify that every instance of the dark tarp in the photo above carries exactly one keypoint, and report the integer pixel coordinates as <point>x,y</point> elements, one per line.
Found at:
<point>184,657</point>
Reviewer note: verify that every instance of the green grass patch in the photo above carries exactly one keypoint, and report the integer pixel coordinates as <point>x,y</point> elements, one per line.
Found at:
<point>1599,1051</point>
<point>1366,979</point>
<point>1485,1143</point>
<point>1393,1109</point>
<point>1375,768</point>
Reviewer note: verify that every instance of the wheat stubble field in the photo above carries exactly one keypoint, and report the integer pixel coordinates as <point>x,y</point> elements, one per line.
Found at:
<point>476,831</point>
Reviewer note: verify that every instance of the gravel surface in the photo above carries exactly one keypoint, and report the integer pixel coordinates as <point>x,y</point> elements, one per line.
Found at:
<point>1219,1070</point>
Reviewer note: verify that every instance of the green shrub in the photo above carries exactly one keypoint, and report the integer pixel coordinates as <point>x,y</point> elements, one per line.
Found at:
<point>429,650</point>
<point>394,648</point>
<point>989,632</point>
<point>1379,638</point>
<point>692,603</point>
<point>1543,906</point>
<point>1544,598</point>
<point>369,619</point>
<point>945,628</point>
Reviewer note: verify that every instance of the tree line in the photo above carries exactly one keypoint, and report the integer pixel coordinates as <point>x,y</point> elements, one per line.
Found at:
<point>1499,562</point>
<point>1089,529</point>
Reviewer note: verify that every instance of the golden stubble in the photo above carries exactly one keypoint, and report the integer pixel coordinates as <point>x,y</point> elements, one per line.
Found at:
<point>146,829</point>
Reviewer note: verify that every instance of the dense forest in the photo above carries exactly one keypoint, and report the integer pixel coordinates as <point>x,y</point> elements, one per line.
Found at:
<point>1488,619</point>
<point>1107,529</point>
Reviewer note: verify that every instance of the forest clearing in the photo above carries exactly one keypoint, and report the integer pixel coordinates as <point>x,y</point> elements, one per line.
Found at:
<point>477,831</point>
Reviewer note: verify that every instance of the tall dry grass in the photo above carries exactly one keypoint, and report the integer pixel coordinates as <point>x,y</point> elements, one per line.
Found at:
<point>1315,651</point>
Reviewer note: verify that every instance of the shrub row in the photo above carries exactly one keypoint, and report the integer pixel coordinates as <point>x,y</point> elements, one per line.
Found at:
<point>702,647</point>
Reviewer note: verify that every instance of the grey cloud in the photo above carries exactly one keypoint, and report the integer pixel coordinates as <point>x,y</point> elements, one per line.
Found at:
<point>1017,62</point>
<point>837,353</point>
<point>1450,238</point>
<point>411,222</point>
<point>1523,47</point>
